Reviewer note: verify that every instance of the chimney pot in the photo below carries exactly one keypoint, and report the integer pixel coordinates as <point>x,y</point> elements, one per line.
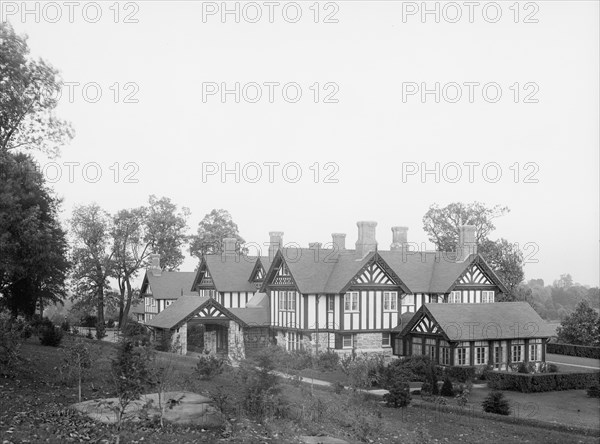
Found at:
<point>399,238</point>
<point>155,264</point>
<point>275,242</point>
<point>229,246</point>
<point>339,241</point>
<point>467,244</point>
<point>315,245</point>
<point>366,238</point>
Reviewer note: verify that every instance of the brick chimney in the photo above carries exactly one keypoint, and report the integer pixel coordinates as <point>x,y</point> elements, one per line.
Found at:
<point>229,246</point>
<point>399,238</point>
<point>275,242</point>
<point>339,241</point>
<point>466,242</point>
<point>155,264</point>
<point>366,238</point>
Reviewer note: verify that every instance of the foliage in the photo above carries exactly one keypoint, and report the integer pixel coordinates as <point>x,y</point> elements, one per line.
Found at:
<point>495,402</point>
<point>216,226</point>
<point>93,257</point>
<point>594,391</point>
<point>447,389</point>
<point>10,343</point>
<point>506,259</point>
<point>137,333</point>
<point>580,351</point>
<point>89,321</point>
<point>65,326</point>
<point>541,382</point>
<point>209,366</point>
<point>33,245</point>
<point>29,93</point>
<point>581,327</point>
<point>260,391</point>
<point>398,391</point>
<point>77,362</point>
<point>50,335</point>
<point>420,367</point>
<point>459,373</point>
<point>365,370</point>
<point>327,361</point>
<point>131,374</point>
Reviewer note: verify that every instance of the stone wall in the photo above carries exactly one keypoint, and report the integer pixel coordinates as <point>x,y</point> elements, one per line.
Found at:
<point>236,349</point>
<point>179,340</point>
<point>210,341</point>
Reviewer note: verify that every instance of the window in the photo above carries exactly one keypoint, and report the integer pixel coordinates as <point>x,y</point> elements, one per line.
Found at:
<point>390,301</point>
<point>153,302</point>
<point>461,356</point>
<point>282,301</point>
<point>480,355</point>
<point>292,341</point>
<point>430,348</point>
<point>351,301</point>
<point>331,303</point>
<point>455,297</point>
<point>517,352</point>
<point>408,299</point>
<point>399,347</point>
<point>347,341</point>
<point>535,350</point>
<point>385,339</point>
<point>487,297</point>
<point>445,355</point>
<point>417,346</point>
<point>291,301</point>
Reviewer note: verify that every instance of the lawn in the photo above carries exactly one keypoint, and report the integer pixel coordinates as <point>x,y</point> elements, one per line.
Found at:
<point>35,407</point>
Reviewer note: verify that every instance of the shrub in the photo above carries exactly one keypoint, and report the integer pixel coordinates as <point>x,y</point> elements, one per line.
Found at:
<point>50,335</point>
<point>299,359</point>
<point>552,368</point>
<point>89,335</point>
<point>421,366</point>
<point>447,389</point>
<point>327,361</point>
<point>137,333</point>
<point>398,393</point>
<point>89,321</point>
<point>209,366</point>
<point>459,373</point>
<point>260,392</point>
<point>523,368</point>
<point>581,351</point>
<point>594,391</point>
<point>541,382</point>
<point>76,362</point>
<point>495,402</point>
<point>10,343</point>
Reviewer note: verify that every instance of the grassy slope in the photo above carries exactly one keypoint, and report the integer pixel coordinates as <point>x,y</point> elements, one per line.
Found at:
<point>34,406</point>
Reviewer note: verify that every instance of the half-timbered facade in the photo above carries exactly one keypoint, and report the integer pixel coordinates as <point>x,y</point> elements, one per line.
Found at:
<point>353,299</point>
<point>500,335</point>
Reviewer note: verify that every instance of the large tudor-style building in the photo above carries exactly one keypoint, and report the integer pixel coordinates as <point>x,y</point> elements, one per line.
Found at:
<point>363,300</point>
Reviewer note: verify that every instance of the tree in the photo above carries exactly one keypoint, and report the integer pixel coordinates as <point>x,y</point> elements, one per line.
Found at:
<point>29,92</point>
<point>216,226</point>
<point>443,227</point>
<point>93,257</point>
<point>495,402</point>
<point>442,224</point>
<point>33,245</point>
<point>507,261</point>
<point>581,327</point>
<point>158,228</point>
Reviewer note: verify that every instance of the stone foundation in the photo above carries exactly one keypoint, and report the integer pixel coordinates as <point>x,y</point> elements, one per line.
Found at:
<point>236,349</point>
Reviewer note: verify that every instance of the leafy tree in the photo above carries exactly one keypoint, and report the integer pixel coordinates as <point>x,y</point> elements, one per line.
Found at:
<point>581,327</point>
<point>442,224</point>
<point>215,226</point>
<point>158,228</point>
<point>33,245</point>
<point>29,92</point>
<point>93,257</point>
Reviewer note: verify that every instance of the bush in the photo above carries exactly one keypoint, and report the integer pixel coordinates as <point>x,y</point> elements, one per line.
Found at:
<point>327,361</point>
<point>209,366</point>
<point>495,402</point>
<point>420,366</point>
<point>523,368</point>
<point>110,323</point>
<point>89,321</point>
<point>541,382</point>
<point>137,333</point>
<point>447,389</point>
<point>398,393</point>
<point>581,351</point>
<point>65,326</point>
<point>50,335</point>
<point>459,373</point>
<point>260,392</point>
<point>10,343</point>
<point>594,391</point>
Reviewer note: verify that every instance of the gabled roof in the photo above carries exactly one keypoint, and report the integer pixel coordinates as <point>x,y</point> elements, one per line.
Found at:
<point>229,273</point>
<point>328,271</point>
<point>177,312</point>
<point>186,306</point>
<point>479,322</point>
<point>169,284</point>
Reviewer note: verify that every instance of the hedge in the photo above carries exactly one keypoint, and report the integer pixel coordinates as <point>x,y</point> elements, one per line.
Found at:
<point>541,382</point>
<point>581,351</point>
<point>459,373</point>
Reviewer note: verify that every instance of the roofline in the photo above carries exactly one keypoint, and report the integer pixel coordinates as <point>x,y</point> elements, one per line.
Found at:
<point>374,259</point>
<point>477,259</point>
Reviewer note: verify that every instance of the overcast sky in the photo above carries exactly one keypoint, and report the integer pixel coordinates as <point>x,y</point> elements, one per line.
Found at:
<point>371,132</point>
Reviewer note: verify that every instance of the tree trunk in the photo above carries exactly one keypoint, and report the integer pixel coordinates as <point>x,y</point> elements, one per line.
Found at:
<point>125,315</point>
<point>100,321</point>
<point>121,302</point>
